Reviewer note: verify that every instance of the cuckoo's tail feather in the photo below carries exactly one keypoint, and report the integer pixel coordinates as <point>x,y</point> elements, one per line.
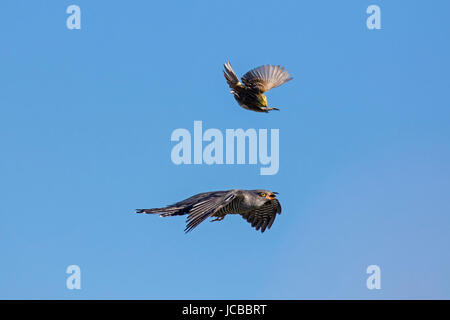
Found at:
<point>163,212</point>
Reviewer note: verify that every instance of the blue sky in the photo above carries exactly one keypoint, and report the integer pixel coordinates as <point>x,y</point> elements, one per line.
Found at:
<point>85,123</point>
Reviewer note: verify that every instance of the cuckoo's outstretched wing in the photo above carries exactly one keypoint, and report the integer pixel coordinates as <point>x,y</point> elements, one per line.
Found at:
<point>266,77</point>
<point>264,216</point>
<point>185,206</point>
<point>208,207</point>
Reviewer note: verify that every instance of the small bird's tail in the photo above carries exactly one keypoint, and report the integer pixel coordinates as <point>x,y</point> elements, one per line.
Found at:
<point>230,75</point>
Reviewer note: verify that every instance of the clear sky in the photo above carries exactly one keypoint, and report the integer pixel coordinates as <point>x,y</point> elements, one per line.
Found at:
<point>85,123</point>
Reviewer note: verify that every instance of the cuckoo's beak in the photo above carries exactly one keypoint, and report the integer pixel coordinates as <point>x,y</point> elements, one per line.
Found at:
<point>271,195</point>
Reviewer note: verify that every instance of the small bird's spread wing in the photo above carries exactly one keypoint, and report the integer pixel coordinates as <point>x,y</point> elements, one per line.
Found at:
<point>264,216</point>
<point>266,77</point>
<point>207,207</point>
<point>231,76</point>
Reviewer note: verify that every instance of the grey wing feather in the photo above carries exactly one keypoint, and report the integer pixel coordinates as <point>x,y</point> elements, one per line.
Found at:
<point>264,216</point>
<point>185,206</point>
<point>208,207</point>
<point>266,77</point>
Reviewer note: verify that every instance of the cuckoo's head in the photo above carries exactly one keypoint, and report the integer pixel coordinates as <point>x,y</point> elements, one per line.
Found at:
<point>264,196</point>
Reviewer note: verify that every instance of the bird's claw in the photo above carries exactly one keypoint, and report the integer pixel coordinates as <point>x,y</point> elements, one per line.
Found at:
<point>218,219</point>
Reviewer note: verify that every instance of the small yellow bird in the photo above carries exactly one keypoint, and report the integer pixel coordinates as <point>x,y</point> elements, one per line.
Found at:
<point>250,92</point>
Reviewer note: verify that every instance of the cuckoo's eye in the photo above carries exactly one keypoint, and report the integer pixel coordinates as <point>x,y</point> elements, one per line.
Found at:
<point>263,194</point>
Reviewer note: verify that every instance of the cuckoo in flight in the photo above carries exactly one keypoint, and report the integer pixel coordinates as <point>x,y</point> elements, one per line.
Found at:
<point>250,92</point>
<point>258,207</point>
